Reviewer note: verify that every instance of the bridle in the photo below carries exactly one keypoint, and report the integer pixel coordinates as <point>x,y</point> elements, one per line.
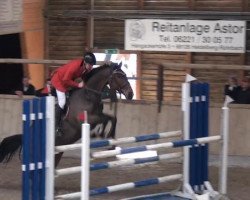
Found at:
<point>110,80</point>
<point>120,87</point>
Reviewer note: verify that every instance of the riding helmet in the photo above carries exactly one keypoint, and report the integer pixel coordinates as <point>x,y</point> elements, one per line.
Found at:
<point>89,58</point>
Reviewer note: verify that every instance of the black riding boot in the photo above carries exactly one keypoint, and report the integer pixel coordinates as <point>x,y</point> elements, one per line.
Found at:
<point>58,115</point>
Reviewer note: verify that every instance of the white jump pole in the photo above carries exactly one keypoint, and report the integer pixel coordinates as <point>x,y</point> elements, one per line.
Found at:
<point>224,148</point>
<point>186,133</point>
<point>50,145</point>
<point>85,160</point>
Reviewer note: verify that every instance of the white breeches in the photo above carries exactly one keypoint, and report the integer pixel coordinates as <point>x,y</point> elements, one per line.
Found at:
<point>61,97</point>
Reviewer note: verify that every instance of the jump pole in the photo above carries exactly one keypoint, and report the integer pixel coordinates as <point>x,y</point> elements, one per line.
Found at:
<point>186,132</point>
<point>38,145</point>
<point>224,148</point>
<point>186,99</point>
<point>50,145</point>
<point>125,140</point>
<point>85,160</point>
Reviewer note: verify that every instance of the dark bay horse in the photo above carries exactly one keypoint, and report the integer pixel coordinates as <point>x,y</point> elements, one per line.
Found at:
<point>85,99</point>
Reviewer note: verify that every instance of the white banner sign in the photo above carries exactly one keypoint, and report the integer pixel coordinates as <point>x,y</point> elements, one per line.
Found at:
<point>185,35</point>
<point>11,16</point>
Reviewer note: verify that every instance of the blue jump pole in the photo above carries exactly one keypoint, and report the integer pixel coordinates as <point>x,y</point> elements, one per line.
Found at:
<point>35,149</point>
<point>34,154</point>
<point>205,131</point>
<point>43,145</point>
<point>26,151</point>
<point>198,128</point>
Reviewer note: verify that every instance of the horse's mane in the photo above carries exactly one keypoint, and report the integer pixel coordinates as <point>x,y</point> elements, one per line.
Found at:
<point>93,72</point>
<point>98,69</point>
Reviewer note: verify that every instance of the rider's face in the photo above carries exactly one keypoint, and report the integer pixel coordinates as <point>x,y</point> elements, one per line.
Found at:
<point>88,67</point>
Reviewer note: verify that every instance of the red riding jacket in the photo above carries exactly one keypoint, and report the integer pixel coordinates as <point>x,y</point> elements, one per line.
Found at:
<point>64,77</point>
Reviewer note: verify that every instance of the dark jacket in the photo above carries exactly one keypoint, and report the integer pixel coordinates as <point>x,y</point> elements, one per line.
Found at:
<point>243,96</point>
<point>30,90</point>
<point>232,91</point>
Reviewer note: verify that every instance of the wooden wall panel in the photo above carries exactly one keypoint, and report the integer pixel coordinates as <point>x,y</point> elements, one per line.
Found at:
<point>172,79</point>
<point>116,5</point>
<point>166,5</point>
<point>109,33</point>
<point>216,78</point>
<point>65,5</point>
<point>68,39</point>
<point>213,5</point>
<point>67,35</point>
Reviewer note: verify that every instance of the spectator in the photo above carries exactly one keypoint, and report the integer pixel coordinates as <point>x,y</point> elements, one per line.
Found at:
<point>232,88</point>
<point>27,88</point>
<point>18,93</point>
<point>47,90</point>
<point>243,96</point>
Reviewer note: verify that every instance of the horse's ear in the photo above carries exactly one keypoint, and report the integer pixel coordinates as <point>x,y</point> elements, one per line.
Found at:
<point>120,65</point>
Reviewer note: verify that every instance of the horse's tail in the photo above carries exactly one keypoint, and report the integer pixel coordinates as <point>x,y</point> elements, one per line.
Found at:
<point>9,146</point>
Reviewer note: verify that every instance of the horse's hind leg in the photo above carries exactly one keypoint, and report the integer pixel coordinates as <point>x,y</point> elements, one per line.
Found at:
<point>111,133</point>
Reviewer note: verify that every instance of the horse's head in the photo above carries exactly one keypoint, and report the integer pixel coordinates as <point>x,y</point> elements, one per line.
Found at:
<point>112,74</point>
<point>118,81</point>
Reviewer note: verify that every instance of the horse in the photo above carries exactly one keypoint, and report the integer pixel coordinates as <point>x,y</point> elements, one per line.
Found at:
<point>87,99</point>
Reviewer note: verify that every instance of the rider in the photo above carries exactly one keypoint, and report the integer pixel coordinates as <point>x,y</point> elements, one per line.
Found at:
<point>63,78</point>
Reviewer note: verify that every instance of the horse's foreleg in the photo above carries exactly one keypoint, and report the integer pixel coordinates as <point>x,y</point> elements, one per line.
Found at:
<point>113,127</point>
<point>111,133</point>
<point>106,119</point>
<point>104,125</point>
<point>58,157</point>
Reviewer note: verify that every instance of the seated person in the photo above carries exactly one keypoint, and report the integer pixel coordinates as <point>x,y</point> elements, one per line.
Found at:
<point>232,88</point>
<point>27,88</point>
<point>243,96</point>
